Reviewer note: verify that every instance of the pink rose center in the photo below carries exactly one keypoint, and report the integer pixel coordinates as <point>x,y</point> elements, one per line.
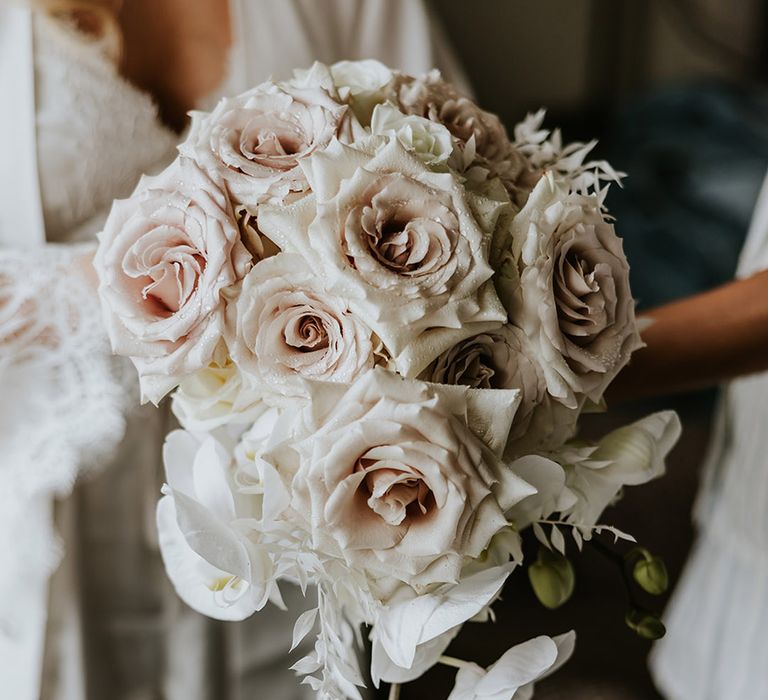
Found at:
<point>464,119</point>
<point>273,140</point>
<point>170,268</point>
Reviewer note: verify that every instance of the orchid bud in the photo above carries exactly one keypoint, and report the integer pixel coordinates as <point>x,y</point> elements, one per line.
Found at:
<point>552,578</point>
<point>649,571</point>
<point>645,624</point>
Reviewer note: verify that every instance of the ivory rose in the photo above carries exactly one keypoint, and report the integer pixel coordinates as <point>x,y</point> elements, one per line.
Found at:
<point>432,97</point>
<point>363,85</point>
<point>395,482</point>
<point>429,141</point>
<point>401,243</point>
<point>165,256</point>
<point>286,327</point>
<point>215,395</point>
<point>575,302</point>
<point>256,141</point>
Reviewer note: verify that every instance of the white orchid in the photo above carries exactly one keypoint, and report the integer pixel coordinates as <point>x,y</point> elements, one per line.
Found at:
<point>216,568</point>
<point>512,677</point>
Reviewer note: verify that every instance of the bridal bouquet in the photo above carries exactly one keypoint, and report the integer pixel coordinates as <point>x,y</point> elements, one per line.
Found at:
<point>380,318</point>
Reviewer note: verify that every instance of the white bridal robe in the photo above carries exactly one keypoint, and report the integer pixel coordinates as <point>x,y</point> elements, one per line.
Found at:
<point>85,609</point>
<point>716,647</point>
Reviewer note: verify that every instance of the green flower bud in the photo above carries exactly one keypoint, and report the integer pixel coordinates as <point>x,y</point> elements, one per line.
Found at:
<point>645,624</point>
<point>651,575</point>
<point>649,572</point>
<point>552,578</point>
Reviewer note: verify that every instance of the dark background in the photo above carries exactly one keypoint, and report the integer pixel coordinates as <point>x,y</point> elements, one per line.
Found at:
<point>675,91</point>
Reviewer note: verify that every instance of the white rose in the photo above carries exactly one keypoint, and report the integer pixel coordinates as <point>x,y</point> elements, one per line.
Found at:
<point>576,305</point>
<point>256,477</point>
<point>286,327</point>
<point>394,482</point>
<point>165,255</point>
<point>402,243</point>
<point>257,140</point>
<point>215,396</point>
<point>363,84</point>
<point>427,140</point>
<point>215,567</point>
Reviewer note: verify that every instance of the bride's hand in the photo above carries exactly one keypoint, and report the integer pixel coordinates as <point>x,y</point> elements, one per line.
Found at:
<point>21,320</point>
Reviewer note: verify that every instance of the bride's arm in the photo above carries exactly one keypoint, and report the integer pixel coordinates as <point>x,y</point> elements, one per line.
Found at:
<point>700,341</point>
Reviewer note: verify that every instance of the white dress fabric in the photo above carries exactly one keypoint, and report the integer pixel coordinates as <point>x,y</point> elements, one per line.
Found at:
<point>716,647</point>
<point>74,135</point>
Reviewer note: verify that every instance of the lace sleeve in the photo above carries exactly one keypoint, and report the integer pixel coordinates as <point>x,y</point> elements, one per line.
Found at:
<point>63,403</point>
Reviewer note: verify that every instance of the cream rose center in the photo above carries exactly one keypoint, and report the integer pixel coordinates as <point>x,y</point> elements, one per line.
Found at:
<point>393,490</point>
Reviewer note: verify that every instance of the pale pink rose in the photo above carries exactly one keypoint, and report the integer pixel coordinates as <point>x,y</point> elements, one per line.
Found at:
<point>401,243</point>
<point>257,140</point>
<point>165,255</point>
<point>575,302</point>
<point>286,327</point>
<point>395,482</point>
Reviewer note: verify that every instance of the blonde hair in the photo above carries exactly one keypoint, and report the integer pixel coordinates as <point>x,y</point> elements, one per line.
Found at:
<point>95,20</point>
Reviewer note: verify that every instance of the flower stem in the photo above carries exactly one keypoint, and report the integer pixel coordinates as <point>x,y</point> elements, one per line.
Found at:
<point>451,661</point>
<point>618,560</point>
<point>394,691</point>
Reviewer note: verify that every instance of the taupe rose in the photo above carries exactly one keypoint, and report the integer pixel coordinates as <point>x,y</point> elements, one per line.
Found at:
<point>499,359</point>
<point>575,300</point>
<point>505,359</point>
<point>257,140</point>
<point>165,256</point>
<point>482,137</point>
<point>285,327</point>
